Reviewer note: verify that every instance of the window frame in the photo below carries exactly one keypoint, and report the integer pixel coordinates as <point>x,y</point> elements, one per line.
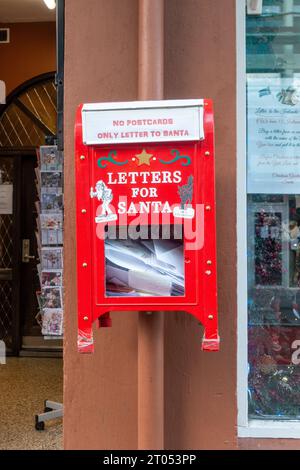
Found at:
<point>247,427</point>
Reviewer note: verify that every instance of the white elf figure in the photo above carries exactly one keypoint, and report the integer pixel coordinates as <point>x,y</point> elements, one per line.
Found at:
<point>104,194</point>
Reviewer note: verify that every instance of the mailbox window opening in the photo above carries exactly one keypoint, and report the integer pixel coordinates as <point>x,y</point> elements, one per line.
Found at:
<point>145,266</point>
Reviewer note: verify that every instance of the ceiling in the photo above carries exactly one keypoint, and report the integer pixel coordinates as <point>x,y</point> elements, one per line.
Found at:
<point>23,11</point>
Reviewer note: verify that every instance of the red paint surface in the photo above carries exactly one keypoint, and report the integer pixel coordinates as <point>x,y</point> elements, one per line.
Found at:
<point>200,298</point>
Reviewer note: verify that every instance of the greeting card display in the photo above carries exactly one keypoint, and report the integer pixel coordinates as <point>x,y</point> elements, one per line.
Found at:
<point>49,236</point>
<point>145,198</point>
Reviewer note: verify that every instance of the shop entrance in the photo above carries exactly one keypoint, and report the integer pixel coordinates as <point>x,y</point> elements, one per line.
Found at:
<point>28,118</point>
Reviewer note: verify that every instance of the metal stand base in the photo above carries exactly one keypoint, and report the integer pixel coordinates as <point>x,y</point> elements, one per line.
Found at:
<point>52,410</point>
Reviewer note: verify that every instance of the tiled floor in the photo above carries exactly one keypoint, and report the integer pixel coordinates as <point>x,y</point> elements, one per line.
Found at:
<point>24,385</point>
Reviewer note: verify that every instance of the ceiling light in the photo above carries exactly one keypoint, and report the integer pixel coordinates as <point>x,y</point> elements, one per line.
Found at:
<point>51,4</point>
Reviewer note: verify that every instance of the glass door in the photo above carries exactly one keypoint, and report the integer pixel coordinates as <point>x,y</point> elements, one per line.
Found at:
<point>8,253</point>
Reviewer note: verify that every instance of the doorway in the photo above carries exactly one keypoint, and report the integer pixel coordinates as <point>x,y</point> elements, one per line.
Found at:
<point>28,118</point>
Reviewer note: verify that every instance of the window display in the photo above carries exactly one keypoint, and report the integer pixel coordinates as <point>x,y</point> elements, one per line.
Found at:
<point>274,307</point>
<point>273,220</point>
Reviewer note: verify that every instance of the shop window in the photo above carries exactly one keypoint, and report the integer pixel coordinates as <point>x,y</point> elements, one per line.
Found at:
<point>273,210</point>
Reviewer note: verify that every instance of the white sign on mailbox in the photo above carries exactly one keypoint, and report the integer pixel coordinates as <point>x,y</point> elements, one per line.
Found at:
<point>151,121</point>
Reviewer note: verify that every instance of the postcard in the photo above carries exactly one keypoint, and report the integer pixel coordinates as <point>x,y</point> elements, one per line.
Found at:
<point>51,297</point>
<point>52,322</point>
<point>52,237</point>
<point>50,158</point>
<point>51,202</point>
<point>51,221</point>
<point>51,258</point>
<point>51,179</point>
<point>51,278</point>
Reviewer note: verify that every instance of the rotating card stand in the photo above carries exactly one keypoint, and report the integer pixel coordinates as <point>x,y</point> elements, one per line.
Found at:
<point>52,410</point>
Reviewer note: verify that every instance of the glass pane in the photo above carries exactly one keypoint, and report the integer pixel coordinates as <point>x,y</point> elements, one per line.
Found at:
<point>273,186</point>
<point>6,249</point>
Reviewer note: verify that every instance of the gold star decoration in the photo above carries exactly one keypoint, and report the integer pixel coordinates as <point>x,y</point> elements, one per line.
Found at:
<point>144,158</point>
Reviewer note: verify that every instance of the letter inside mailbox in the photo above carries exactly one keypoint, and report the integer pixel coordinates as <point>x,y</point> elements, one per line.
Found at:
<point>145,217</point>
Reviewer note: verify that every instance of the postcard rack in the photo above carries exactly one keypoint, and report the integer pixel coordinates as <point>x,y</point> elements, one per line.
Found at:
<point>49,234</point>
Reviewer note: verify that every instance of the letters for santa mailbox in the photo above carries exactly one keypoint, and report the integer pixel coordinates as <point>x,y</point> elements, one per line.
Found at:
<point>145,197</point>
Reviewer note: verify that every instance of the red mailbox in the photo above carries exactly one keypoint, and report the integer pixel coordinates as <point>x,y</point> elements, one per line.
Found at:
<point>145,195</point>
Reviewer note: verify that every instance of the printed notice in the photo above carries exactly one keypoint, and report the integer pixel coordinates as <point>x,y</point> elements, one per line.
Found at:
<point>273,142</point>
<point>142,125</point>
<point>6,198</point>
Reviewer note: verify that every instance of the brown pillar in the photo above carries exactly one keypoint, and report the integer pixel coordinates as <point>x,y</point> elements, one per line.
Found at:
<point>151,326</point>
<point>101,394</point>
<point>151,50</point>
